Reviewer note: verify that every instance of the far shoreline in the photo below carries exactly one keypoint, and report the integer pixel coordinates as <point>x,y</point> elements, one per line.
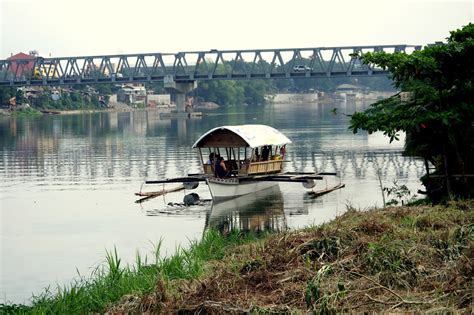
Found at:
<point>277,98</point>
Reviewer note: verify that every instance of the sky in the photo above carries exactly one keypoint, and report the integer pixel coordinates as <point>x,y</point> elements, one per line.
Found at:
<point>61,28</point>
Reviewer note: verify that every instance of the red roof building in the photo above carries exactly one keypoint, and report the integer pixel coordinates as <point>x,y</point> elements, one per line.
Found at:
<point>22,67</point>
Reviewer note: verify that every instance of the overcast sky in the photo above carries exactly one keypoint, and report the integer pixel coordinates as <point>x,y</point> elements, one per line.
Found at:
<point>95,27</point>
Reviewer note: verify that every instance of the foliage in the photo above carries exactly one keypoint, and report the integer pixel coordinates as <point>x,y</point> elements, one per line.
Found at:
<point>156,87</point>
<point>330,84</point>
<point>113,280</point>
<point>438,112</point>
<point>234,92</point>
<point>20,97</point>
<point>253,92</point>
<point>105,89</point>
<point>401,194</point>
<point>400,259</point>
<point>27,112</point>
<point>220,92</point>
<point>389,259</point>
<point>77,98</point>
<point>6,93</point>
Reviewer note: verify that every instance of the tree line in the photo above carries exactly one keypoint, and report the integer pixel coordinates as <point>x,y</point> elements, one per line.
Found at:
<point>253,92</point>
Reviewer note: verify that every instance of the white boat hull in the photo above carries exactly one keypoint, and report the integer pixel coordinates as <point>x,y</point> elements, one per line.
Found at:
<point>231,188</point>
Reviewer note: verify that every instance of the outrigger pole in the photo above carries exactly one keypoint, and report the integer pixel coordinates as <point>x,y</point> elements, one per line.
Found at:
<point>284,177</point>
<point>188,179</point>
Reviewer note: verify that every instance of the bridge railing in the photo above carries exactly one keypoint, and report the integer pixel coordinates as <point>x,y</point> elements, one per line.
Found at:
<point>195,65</point>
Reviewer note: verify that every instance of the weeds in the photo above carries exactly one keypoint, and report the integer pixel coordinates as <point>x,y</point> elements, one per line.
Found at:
<point>317,249</point>
<point>401,194</point>
<point>451,248</point>
<point>393,264</point>
<point>320,301</point>
<point>112,281</point>
<point>364,261</point>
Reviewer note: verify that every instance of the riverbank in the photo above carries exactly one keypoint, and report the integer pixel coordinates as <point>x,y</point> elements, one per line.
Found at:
<point>325,98</point>
<point>396,259</point>
<point>280,98</point>
<point>29,111</point>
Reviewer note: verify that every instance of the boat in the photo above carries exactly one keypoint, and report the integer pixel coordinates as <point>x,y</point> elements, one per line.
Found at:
<point>241,159</point>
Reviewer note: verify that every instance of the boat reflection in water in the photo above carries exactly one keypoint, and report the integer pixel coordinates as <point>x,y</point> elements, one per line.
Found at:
<point>261,211</point>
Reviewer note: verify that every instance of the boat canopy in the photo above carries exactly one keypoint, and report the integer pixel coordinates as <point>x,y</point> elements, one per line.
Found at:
<point>241,136</point>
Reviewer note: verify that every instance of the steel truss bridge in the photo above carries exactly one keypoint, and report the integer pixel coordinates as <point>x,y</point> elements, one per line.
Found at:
<point>194,66</point>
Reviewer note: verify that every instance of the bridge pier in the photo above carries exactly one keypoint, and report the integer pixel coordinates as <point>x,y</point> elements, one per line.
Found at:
<point>179,89</point>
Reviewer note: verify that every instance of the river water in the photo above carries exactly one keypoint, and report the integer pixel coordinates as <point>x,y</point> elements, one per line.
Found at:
<point>67,185</point>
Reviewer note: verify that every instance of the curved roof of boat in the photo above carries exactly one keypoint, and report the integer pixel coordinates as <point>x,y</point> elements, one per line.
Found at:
<point>241,136</point>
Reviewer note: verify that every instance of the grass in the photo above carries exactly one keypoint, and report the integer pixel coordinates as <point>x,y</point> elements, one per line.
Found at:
<point>400,259</point>
<point>114,282</point>
<point>27,112</point>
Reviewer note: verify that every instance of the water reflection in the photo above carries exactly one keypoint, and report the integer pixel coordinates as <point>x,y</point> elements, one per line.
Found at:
<point>262,211</point>
<point>142,144</point>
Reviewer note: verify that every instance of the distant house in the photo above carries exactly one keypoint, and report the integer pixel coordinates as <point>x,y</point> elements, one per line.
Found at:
<point>55,94</point>
<point>349,91</point>
<point>31,92</point>
<point>23,67</point>
<point>158,100</point>
<point>132,95</point>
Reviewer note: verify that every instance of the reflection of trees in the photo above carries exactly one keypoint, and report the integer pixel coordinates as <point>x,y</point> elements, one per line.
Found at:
<point>258,212</point>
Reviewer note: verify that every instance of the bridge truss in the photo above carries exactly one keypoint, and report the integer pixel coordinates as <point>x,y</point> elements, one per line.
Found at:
<point>195,66</point>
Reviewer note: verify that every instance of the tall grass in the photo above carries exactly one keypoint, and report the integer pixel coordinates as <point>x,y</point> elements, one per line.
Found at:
<point>113,280</point>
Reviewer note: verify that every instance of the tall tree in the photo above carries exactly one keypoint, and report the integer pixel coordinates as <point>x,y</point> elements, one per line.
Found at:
<point>5,94</point>
<point>436,110</point>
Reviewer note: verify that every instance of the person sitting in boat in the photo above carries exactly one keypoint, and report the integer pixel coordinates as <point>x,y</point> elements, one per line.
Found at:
<point>211,158</point>
<point>220,170</point>
<point>283,152</point>
<point>266,153</point>
<point>256,157</point>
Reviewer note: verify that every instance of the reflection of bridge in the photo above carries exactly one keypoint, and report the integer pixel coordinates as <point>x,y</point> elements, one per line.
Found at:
<point>101,159</point>
<point>185,67</point>
<point>358,164</point>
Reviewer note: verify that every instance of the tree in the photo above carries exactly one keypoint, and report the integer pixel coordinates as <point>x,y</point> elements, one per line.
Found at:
<point>44,101</point>
<point>5,94</point>
<point>232,92</point>
<point>66,102</point>
<point>437,113</point>
<point>20,97</point>
<point>105,89</point>
<point>255,91</point>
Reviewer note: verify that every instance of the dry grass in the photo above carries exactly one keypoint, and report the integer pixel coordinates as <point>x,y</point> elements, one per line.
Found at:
<point>399,259</point>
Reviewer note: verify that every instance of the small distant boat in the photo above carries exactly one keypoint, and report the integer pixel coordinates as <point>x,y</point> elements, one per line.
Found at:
<point>50,112</point>
<point>243,159</point>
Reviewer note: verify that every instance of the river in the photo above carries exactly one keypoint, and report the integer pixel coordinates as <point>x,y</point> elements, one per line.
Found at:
<point>67,185</point>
